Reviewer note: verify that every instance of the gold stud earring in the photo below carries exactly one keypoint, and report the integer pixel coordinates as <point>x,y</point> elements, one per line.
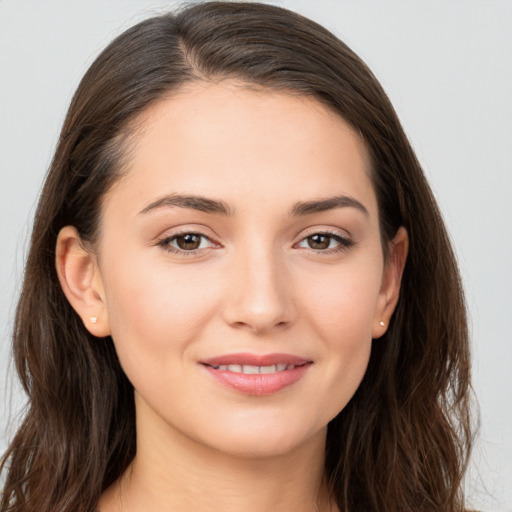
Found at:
<point>382,324</point>
<point>93,319</point>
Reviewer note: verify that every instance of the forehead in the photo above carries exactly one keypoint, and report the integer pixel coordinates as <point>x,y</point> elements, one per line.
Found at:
<point>231,141</point>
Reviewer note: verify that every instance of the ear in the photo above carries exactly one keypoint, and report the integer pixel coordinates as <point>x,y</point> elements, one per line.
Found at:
<point>391,279</point>
<point>81,281</point>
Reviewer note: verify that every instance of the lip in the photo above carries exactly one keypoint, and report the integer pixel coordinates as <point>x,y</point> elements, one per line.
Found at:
<point>259,384</point>
<point>255,359</point>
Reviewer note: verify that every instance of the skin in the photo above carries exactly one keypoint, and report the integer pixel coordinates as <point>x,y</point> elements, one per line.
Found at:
<point>257,283</point>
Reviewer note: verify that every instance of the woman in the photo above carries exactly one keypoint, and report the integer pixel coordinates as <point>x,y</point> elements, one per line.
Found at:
<point>239,292</point>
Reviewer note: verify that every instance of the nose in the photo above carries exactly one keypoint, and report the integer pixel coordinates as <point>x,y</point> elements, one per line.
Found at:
<point>258,295</point>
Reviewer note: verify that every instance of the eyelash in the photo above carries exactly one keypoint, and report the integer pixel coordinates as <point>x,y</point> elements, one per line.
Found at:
<point>344,243</point>
<point>165,244</point>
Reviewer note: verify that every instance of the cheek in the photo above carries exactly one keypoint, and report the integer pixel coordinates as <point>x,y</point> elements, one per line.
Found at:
<point>339,310</point>
<point>156,311</point>
<point>341,302</point>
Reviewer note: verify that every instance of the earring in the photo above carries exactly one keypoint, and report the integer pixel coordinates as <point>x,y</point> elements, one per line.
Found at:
<point>382,324</point>
<point>93,319</point>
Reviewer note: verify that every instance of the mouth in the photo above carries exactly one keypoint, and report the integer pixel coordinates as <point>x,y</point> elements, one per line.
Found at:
<point>249,369</point>
<point>255,374</point>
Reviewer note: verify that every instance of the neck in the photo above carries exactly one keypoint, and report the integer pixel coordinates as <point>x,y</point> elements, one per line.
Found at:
<point>172,472</point>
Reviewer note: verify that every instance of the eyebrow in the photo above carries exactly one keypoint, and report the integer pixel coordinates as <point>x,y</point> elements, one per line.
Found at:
<point>205,204</point>
<point>330,203</point>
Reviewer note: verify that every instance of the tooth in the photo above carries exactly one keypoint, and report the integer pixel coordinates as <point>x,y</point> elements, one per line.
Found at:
<point>247,368</point>
<point>252,369</point>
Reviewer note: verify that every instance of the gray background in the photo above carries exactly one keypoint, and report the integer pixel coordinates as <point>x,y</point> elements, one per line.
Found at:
<point>447,66</point>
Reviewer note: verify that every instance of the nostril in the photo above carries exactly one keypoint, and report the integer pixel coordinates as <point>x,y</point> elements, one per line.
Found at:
<point>258,308</point>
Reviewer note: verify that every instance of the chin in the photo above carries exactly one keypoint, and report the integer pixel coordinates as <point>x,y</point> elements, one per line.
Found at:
<point>259,441</point>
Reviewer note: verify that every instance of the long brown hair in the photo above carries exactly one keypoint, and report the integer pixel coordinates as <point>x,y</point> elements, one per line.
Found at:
<point>403,440</point>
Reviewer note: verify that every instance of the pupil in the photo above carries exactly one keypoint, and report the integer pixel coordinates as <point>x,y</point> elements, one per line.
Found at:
<point>319,241</point>
<point>188,241</point>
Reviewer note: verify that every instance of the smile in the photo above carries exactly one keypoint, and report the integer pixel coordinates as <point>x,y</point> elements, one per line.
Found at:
<point>249,369</point>
<point>257,375</point>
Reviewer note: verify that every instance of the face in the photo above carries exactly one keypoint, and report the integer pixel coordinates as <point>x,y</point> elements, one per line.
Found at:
<point>240,268</point>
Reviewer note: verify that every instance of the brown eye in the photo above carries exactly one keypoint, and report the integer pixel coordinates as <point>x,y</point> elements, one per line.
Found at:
<point>326,243</point>
<point>188,242</point>
<point>319,241</point>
